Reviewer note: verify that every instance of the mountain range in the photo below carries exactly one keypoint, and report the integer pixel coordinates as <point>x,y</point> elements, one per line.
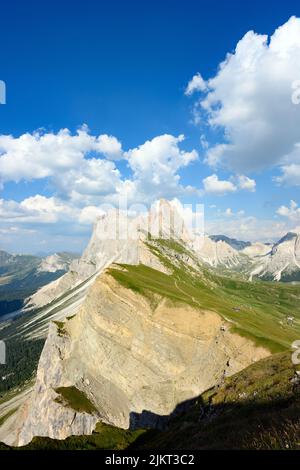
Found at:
<point>142,324</point>
<point>277,262</point>
<point>22,275</point>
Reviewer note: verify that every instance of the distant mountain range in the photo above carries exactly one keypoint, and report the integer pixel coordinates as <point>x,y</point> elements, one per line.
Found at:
<point>236,244</point>
<point>275,262</point>
<point>22,275</point>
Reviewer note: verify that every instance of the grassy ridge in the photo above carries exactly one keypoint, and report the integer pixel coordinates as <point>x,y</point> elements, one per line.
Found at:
<point>257,309</point>
<point>258,408</point>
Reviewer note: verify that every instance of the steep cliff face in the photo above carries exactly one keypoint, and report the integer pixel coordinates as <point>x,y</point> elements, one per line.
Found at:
<point>218,253</point>
<point>47,413</point>
<point>130,354</point>
<point>116,238</point>
<point>282,262</point>
<point>104,248</point>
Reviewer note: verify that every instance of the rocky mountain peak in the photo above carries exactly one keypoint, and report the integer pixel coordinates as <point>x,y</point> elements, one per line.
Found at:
<point>119,237</point>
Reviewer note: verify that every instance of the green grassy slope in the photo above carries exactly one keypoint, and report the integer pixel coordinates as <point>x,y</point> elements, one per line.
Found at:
<point>73,398</point>
<point>258,408</point>
<point>257,309</point>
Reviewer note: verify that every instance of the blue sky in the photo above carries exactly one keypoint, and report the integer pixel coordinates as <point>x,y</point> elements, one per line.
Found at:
<point>122,68</point>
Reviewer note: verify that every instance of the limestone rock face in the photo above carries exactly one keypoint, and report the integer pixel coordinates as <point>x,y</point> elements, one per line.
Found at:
<point>104,248</point>
<point>217,253</point>
<point>256,250</point>
<point>56,262</point>
<point>47,417</point>
<point>116,238</point>
<point>282,260</point>
<point>130,355</point>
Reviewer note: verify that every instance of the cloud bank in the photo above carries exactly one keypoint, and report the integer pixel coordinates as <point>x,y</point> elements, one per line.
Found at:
<point>82,173</point>
<point>253,100</point>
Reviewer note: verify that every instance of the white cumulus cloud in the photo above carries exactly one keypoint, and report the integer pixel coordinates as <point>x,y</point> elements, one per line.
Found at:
<point>80,171</point>
<point>155,165</point>
<point>250,99</point>
<point>195,84</point>
<point>292,212</point>
<point>246,183</point>
<point>109,146</point>
<point>40,155</point>
<point>36,209</point>
<point>246,228</point>
<point>89,214</point>
<point>212,184</point>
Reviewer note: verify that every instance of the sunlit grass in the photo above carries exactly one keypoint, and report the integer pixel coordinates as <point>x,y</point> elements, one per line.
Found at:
<point>257,309</point>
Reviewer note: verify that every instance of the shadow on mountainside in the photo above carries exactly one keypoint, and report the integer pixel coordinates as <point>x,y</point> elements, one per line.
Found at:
<point>258,408</point>
<point>249,425</point>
